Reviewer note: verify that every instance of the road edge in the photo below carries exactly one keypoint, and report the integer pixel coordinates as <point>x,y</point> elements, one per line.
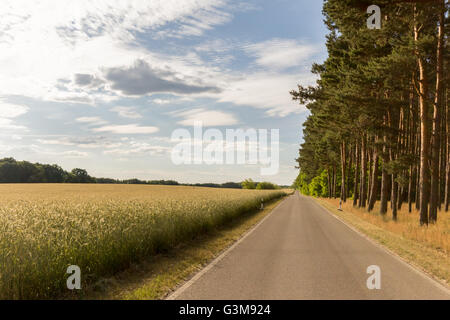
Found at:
<point>175,294</point>
<point>417,269</point>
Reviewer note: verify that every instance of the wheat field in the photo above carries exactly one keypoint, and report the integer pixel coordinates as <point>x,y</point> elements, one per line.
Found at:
<point>44,228</point>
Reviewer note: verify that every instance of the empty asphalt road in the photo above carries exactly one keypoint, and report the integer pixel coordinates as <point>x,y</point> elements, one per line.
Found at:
<point>300,251</point>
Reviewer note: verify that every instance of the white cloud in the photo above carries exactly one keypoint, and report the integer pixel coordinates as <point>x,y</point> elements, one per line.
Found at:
<point>127,129</point>
<point>91,120</point>
<point>9,124</point>
<point>81,142</point>
<point>74,154</point>
<point>9,111</point>
<point>42,42</point>
<point>209,118</point>
<point>281,53</point>
<point>140,148</point>
<point>268,91</point>
<point>127,112</point>
<point>161,101</point>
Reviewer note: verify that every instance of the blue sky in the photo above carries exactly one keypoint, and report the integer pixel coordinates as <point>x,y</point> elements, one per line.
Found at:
<point>101,85</point>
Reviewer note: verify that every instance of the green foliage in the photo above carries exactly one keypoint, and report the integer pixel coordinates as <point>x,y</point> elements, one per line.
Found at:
<point>318,186</point>
<point>13,171</point>
<point>248,184</point>
<point>266,186</point>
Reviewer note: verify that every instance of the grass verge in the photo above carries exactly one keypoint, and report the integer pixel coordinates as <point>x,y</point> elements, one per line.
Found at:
<point>401,238</point>
<point>157,277</point>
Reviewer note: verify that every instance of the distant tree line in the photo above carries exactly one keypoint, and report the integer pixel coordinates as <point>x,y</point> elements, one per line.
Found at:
<point>13,171</point>
<point>379,119</point>
<point>250,184</point>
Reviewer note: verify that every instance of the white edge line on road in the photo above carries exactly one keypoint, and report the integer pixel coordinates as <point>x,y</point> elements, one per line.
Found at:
<point>436,282</point>
<point>208,267</point>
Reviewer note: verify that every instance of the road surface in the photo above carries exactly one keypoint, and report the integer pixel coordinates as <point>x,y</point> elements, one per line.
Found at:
<point>301,251</point>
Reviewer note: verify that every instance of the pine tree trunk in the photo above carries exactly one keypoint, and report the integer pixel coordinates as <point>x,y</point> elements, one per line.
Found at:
<point>447,170</point>
<point>362,197</point>
<point>412,142</point>
<point>410,185</point>
<point>343,166</point>
<point>355,187</point>
<point>349,171</point>
<point>384,177</point>
<point>374,186</point>
<point>369,178</point>
<point>334,181</point>
<point>436,142</point>
<point>424,179</point>
<point>394,192</point>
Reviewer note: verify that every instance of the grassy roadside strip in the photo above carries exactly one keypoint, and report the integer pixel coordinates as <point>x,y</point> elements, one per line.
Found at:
<point>158,276</point>
<point>432,261</point>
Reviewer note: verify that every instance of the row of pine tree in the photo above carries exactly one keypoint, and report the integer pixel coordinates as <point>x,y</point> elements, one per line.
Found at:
<point>379,114</point>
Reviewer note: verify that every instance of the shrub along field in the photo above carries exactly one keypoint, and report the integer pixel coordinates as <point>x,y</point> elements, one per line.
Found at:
<point>44,228</point>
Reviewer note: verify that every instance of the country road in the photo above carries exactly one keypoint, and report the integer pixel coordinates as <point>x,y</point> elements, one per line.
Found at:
<point>301,251</point>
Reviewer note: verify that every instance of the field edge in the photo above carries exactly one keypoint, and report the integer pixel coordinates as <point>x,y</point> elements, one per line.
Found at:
<point>162,274</point>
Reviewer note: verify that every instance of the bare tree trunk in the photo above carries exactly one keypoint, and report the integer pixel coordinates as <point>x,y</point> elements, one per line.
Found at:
<point>362,197</point>
<point>436,142</point>
<point>447,171</point>
<point>412,141</point>
<point>394,192</point>
<point>410,185</point>
<point>334,181</point>
<point>424,178</point>
<point>384,177</point>
<point>369,178</point>
<point>349,171</point>
<point>343,166</point>
<point>400,197</point>
<point>355,187</point>
<point>374,186</point>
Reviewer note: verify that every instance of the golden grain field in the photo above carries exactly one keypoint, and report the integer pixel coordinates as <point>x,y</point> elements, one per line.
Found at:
<point>44,228</point>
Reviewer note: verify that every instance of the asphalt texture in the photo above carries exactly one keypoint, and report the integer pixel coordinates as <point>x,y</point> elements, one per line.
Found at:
<point>301,251</point>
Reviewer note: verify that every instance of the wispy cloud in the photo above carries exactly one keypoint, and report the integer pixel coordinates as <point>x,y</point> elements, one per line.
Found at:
<point>140,148</point>
<point>96,121</point>
<point>81,142</point>
<point>127,112</point>
<point>127,129</point>
<point>9,111</point>
<point>208,118</point>
<point>281,53</point>
<point>74,154</point>
<point>266,90</point>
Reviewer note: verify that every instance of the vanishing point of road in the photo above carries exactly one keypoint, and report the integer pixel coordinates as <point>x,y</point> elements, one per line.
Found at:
<point>301,251</point>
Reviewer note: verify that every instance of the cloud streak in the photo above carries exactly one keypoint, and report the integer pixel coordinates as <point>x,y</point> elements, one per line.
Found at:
<point>208,118</point>
<point>127,112</point>
<point>127,129</point>
<point>281,53</point>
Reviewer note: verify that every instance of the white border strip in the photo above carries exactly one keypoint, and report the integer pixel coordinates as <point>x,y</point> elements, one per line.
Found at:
<point>190,282</point>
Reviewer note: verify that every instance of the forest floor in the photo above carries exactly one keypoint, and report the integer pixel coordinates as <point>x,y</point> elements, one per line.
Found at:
<point>427,248</point>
